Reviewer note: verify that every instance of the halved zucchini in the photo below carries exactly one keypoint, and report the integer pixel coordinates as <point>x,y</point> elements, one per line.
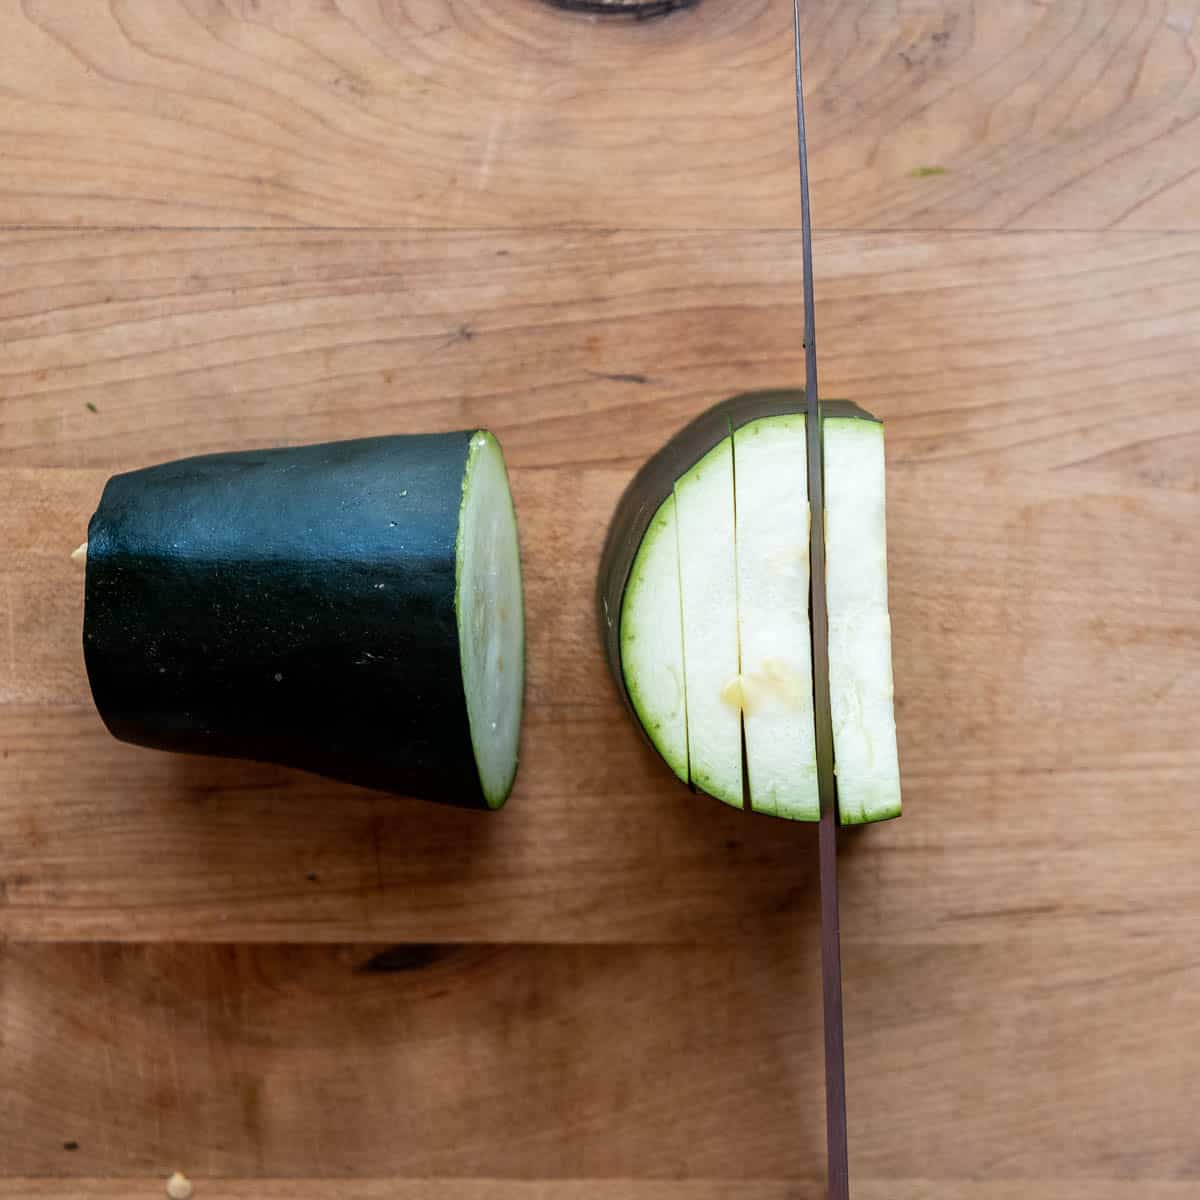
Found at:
<point>353,608</point>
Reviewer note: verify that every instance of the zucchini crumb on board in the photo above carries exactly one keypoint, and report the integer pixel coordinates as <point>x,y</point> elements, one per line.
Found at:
<point>704,597</point>
<point>179,1187</point>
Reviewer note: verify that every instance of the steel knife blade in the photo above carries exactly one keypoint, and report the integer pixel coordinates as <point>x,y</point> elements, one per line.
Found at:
<point>831,965</point>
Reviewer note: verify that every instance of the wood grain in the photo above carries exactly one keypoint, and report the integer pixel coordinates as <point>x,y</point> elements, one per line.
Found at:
<point>625,1189</point>
<point>986,351</point>
<point>941,114</point>
<point>582,1062</point>
<point>143,1188</point>
<point>1025,643</point>
<point>580,233</point>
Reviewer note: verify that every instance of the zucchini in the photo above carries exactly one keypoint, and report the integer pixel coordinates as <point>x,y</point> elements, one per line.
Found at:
<point>704,601</point>
<point>773,523</point>
<point>353,609</point>
<point>708,595</point>
<point>860,631</point>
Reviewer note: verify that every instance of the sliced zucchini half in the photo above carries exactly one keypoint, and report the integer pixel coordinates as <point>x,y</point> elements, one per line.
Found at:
<point>704,598</point>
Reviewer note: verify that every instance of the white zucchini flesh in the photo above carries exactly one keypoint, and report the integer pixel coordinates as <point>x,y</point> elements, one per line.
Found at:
<point>704,501</point>
<point>860,638</point>
<point>776,689</point>
<point>490,613</point>
<point>652,639</point>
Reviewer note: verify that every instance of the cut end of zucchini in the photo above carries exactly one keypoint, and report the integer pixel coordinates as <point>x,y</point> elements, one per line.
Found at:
<point>491,617</point>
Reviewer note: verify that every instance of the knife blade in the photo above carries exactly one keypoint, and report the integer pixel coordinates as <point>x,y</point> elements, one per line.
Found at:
<point>837,1164</point>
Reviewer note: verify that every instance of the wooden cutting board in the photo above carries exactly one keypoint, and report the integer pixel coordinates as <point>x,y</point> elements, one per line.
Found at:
<point>227,224</point>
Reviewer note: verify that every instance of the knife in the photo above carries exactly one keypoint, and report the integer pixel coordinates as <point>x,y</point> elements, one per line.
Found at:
<point>837,1165</point>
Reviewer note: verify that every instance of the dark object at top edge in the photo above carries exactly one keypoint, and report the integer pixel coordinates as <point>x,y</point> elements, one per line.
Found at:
<point>637,10</point>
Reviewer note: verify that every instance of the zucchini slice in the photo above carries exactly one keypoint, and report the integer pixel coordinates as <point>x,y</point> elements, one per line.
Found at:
<point>708,589</point>
<point>652,640</point>
<point>775,635</point>
<point>860,632</point>
<point>353,608</point>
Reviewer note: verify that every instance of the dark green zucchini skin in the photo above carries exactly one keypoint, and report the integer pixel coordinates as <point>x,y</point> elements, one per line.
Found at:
<point>655,482</point>
<point>294,606</point>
